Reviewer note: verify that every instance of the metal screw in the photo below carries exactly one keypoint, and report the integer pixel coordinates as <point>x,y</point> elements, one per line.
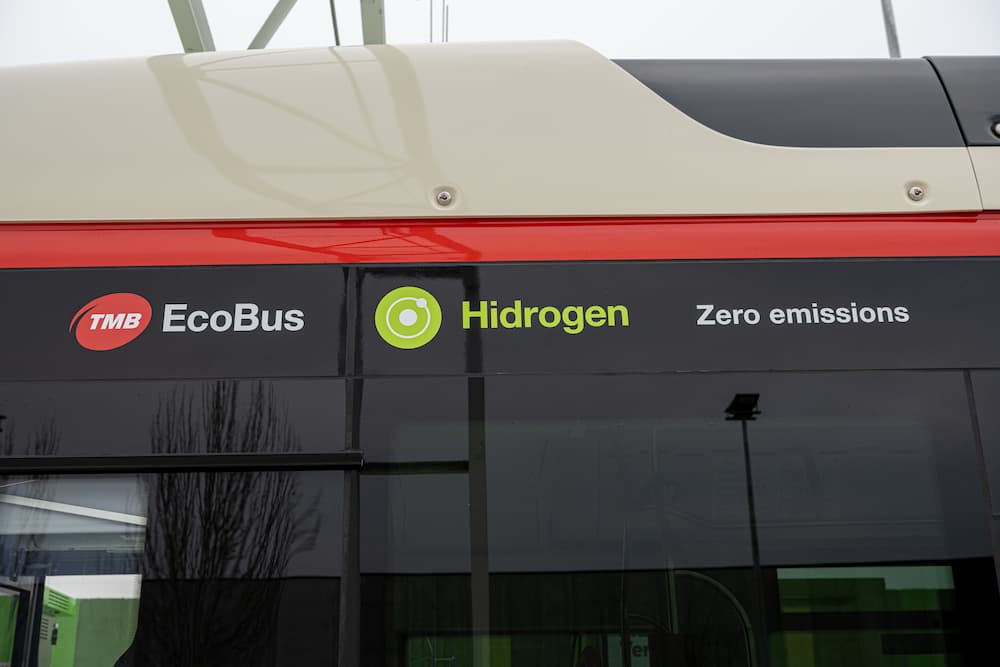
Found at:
<point>996,129</point>
<point>444,198</point>
<point>916,193</point>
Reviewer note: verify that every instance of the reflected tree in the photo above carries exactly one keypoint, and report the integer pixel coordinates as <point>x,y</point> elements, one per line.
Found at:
<point>43,441</point>
<point>217,542</point>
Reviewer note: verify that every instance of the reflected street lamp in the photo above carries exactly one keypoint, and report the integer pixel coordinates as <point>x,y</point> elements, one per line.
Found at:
<point>743,408</point>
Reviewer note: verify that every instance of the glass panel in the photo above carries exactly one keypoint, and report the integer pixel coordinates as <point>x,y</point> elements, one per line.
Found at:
<point>581,459</point>
<point>415,523</point>
<point>619,505</point>
<point>135,418</point>
<point>613,473</point>
<point>415,419</point>
<point>889,615</point>
<point>620,526</point>
<point>414,561</point>
<point>193,568</point>
<point>865,467</point>
<point>70,554</point>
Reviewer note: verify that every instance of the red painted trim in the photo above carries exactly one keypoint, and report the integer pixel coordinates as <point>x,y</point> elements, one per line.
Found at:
<point>29,245</point>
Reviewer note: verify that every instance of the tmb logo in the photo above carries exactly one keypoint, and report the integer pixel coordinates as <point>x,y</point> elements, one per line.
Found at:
<point>112,320</point>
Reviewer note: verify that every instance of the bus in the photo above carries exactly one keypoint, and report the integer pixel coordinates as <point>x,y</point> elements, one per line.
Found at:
<point>499,355</point>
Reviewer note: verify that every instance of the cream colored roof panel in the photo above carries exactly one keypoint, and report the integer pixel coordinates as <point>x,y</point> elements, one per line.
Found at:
<point>986,160</point>
<point>520,129</point>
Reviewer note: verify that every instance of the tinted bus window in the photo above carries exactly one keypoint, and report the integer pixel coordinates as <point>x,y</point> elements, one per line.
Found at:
<point>135,418</point>
<point>412,420</point>
<point>620,525</point>
<point>587,455</point>
<point>171,569</point>
<point>415,563</point>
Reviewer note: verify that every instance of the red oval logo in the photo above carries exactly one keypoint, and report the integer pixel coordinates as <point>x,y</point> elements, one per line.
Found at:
<point>112,320</point>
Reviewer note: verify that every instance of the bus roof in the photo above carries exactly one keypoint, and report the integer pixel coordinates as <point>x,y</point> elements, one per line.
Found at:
<point>506,130</point>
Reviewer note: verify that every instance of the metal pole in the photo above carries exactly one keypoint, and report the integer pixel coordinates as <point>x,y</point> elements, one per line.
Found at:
<point>373,21</point>
<point>336,29</point>
<point>192,25</point>
<point>764,658</point>
<point>891,38</point>
<point>272,23</point>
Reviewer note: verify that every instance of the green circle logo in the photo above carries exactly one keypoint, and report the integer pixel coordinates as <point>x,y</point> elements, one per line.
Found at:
<point>408,317</point>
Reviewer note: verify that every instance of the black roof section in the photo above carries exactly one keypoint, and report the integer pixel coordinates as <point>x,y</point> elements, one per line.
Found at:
<point>809,103</point>
<point>973,86</point>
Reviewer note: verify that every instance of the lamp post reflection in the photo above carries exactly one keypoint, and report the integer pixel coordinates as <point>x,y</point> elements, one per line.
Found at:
<point>743,408</point>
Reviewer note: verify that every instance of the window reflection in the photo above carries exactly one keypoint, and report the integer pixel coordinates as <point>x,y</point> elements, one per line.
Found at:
<point>867,616</point>
<point>70,550</point>
<point>117,417</point>
<point>185,568</point>
<point>619,529</point>
<point>87,619</point>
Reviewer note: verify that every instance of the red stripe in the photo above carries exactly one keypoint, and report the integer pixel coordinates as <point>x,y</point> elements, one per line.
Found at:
<point>24,245</point>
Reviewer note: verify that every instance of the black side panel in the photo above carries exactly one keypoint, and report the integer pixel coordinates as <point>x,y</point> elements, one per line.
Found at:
<point>808,103</point>
<point>973,84</point>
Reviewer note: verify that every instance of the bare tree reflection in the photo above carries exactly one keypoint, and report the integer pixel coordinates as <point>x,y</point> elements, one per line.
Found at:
<point>44,441</point>
<point>217,542</point>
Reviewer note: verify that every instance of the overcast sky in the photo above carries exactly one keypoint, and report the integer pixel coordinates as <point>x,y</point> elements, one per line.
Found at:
<point>55,30</point>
